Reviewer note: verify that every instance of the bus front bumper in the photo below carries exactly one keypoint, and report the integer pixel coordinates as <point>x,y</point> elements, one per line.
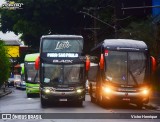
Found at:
<point>132,97</point>
<point>63,96</point>
<point>32,90</point>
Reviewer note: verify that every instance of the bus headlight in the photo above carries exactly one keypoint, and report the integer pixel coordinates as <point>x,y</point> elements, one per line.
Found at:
<point>79,91</point>
<point>107,89</point>
<point>47,91</point>
<point>145,92</point>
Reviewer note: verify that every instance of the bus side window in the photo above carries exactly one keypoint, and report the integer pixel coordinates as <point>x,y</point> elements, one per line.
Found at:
<point>92,73</point>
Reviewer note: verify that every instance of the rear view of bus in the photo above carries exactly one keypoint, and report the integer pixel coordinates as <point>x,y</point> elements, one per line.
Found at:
<point>123,72</point>
<point>31,75</point>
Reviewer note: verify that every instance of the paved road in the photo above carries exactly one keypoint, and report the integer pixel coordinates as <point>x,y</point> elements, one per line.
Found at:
<point>17,102</point>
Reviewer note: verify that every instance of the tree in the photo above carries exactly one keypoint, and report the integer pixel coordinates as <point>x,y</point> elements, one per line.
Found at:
<point>41,17</point>
<point>4,64</point>
<point>142,30</point>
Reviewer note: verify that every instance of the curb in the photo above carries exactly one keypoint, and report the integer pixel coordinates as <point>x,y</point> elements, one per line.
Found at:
<point>157,94</point>
<point>5,93</point>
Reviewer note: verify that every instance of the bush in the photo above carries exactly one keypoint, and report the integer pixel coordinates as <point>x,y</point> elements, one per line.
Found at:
<point>4,64</point>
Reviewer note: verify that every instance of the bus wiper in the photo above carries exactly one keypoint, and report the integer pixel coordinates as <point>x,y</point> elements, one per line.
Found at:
<point>35,77</point>
<point>134,79</point>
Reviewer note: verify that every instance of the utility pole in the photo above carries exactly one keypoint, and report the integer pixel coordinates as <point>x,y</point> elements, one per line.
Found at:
<point>115,20</point>
<point>140,7</point>
<point>95,19</point>
<point>94,29</point>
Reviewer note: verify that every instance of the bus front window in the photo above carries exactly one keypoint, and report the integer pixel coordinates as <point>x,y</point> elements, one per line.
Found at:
<point>73,73</point>
<point>125,67</point>
<point>52,73</point>
<point>32,75</point>
<point>137,67</point>
<point>66,74</point>
<point>116,67</point>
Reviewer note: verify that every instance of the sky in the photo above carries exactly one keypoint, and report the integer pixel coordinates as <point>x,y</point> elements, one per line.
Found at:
<point>1,2</point>
<point>8,35</point>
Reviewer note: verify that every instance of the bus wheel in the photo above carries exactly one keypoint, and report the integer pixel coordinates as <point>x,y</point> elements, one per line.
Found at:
<point>91,94</point>
<point>101,100</point>
<point>92,99</point>
<point>43,102</point>
<point>79,103</point>
<point>139,105</point>
<point>28,95</point>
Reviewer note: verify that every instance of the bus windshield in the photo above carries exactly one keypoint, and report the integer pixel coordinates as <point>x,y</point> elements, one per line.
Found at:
<point>32,74</point>
<point>62,45</point>
<point>125,67</point>
<point>63,74</point>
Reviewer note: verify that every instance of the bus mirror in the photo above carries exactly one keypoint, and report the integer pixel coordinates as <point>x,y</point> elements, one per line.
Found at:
<point>102,62</point>
<point>22,68</point>
<point>37,63</point>
<point>153,64</point>
<point>87,64</point>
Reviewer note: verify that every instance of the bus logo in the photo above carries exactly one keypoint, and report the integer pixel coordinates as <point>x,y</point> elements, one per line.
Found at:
<point>62,45</point>
<point>11,5</point>
<point>126,94</point>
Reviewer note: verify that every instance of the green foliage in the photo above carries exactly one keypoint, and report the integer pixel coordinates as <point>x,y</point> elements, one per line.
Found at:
<point>141,30</point>
<point>4,64</point>
<point>149,33</point>
<point>41,17</point>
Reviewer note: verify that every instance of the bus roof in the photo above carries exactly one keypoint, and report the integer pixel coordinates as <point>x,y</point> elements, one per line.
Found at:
<point>122,44</point>
<point>61,36</point>
<point>31,57</point>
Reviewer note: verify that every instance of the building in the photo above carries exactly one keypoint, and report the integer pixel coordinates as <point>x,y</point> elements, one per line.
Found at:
<point>13,47</point>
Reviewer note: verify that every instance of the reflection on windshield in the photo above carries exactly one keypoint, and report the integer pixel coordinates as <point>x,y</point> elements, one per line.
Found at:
<point>63,73</point>
<point>137,66</point>
<point>117,64</point>
<point>116,70</point>
<point>32,75</point>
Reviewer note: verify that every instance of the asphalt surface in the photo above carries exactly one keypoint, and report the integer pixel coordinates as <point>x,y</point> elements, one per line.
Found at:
<point>154,99</point>
<point>17,102</point>
<point>5,92</point>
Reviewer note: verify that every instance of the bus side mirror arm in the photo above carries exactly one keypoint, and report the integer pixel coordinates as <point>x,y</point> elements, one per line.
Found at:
<point>153,64</point>
<point>101,62</point>
<point>87,65</point>
<point>37,62</point>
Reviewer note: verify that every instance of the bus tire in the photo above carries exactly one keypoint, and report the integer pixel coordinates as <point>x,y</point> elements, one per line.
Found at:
<point>91,94</point>
<point>140,105</point>
<point>101,100</point>
<point>28,95</point>
<point>43,102</point>
<point>92,99</point>
<point>80,103</point>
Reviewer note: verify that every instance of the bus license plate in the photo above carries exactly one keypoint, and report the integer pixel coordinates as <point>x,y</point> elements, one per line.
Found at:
<point>62,99</point>
<point>126,99</point>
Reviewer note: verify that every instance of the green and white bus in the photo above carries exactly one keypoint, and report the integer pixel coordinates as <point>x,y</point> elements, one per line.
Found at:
<point>31,75</point>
